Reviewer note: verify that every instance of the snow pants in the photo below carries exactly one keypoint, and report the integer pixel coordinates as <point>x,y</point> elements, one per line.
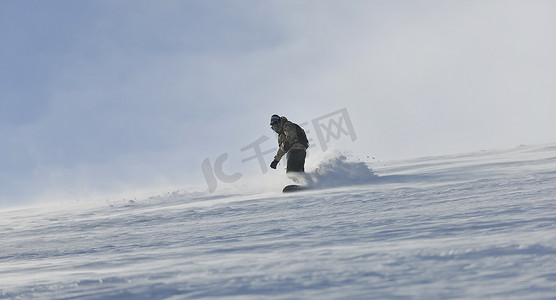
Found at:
<point>296,160</point>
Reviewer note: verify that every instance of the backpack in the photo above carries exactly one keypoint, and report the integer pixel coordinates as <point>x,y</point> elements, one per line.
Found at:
<point>301,136</point>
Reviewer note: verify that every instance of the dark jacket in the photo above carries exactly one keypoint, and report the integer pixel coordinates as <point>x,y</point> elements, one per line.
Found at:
<point>287,136</point>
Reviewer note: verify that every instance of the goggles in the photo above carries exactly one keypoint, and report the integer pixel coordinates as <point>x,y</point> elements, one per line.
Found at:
<point>275,125</point>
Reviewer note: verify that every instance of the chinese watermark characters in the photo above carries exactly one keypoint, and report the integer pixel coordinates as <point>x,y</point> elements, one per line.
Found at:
<point>326,127</point>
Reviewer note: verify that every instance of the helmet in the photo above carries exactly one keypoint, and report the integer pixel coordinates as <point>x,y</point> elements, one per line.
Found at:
<point>275,122</point>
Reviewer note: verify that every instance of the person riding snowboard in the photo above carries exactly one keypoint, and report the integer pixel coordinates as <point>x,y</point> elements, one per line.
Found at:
<point>291,140</point>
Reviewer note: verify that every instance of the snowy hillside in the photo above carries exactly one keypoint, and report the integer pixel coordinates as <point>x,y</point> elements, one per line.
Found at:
<point>472,226</point>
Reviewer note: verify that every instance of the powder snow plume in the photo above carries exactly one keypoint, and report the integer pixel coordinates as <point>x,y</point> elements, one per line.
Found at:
<point>335,169</point>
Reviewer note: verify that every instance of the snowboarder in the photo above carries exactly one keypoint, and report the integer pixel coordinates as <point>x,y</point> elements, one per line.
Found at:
<point>291,140</point>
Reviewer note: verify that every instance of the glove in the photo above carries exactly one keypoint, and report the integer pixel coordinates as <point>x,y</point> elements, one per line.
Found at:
<point>273,164</point>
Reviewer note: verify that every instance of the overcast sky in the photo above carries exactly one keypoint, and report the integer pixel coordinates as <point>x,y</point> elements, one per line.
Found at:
<point>100,97</point>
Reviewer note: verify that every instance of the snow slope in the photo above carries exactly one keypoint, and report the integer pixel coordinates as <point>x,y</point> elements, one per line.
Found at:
<point>471,226</point>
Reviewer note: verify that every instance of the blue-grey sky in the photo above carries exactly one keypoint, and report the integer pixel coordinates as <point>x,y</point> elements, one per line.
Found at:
<point>100,97</point>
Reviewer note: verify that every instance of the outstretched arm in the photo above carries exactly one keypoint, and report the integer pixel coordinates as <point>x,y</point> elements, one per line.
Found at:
<point>286,141</point>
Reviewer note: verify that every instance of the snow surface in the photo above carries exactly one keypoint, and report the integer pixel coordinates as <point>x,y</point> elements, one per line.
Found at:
<point>471,226</point>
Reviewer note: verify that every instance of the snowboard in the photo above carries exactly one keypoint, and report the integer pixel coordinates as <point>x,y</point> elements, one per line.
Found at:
<point>293,188</point>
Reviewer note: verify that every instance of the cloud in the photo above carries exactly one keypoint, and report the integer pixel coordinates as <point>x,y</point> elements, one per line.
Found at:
<point>136,94</point>
<point>439,77</point>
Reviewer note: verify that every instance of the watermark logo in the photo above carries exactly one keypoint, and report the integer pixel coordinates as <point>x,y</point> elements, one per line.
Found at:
<point>332,125</point>
<point>327,127</point>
